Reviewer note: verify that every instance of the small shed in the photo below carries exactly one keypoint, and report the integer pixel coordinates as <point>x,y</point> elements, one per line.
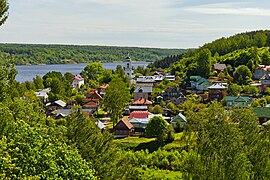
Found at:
<point>179,118</point>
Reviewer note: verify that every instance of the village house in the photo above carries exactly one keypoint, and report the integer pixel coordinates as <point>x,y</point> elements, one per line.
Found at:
<point>123,128</point>
<point>139,114</point>
<point>145,81</point>
<point>265,82</point>
<point>143,92</point>
<point>199,83</point>
<point>101,89</point>
<point>132,108</point>
<point>139,124</point>
<point>92,104</point>
<point>238,101</point>
<point>219,67</point>
<point>217,91</point>
<point>179,118</point>
<point>262,113</point>
<point>142,102</point>
<point>171,92</point>
<point>260,71</point>
<point>169,77</point>
<point>51,108</point>
<point>77,82</point>
<point>43,94</point>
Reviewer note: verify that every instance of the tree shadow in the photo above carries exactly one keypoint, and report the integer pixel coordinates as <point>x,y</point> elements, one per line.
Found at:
<point>150,146</point>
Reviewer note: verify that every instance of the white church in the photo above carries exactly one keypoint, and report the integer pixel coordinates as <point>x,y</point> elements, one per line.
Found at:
<point>128,68</point>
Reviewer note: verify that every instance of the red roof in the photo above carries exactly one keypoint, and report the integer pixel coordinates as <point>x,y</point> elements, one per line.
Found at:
<point>104,86</point>
<point>90,104</point>
<point>139,114</point>
<point>94,94</point>
<point>78,78</point>
<point>142,101</point>
<point>127,123</point>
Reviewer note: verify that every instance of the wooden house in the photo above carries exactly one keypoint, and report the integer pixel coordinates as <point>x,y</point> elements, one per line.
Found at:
<point>238,101</point>
<point>217,92</point>
<point>123,128</point>
<point>219,67</point>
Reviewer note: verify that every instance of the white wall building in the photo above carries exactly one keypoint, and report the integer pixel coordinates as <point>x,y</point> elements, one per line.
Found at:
<point>78,81</point>
<point>128,68</point>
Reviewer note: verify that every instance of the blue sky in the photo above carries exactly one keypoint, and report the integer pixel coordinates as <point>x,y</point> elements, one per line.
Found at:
<point>144,23</point>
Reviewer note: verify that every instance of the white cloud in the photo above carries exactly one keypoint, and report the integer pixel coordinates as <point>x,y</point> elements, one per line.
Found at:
<point>155,23</point>
<point>228,9</point>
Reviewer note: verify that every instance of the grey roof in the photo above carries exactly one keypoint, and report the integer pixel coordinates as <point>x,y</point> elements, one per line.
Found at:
<point>180,117</point>
<point>41,94</point>
<point>60,103</point>
<point>158,77</point>
<point>64,112</point>
<point>149,79</point>
<point>139,120</point>
<point>144,88</point>
<point>219,66</point>
<point>100,125</point>
<point>217,86</point>
<point>137,107</point>
<point>170,77</point>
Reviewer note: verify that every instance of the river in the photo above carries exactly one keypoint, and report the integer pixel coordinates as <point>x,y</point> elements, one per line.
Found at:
<point>27,73</point>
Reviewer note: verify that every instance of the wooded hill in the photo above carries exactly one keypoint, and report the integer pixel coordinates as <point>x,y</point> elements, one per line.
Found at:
<point>250,49</point>
<point>60,54</point>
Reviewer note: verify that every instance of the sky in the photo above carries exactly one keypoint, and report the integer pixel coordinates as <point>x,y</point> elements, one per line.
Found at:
<point>136,23</point>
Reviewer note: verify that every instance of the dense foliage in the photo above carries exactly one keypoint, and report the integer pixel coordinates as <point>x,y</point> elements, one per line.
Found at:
<point>249,49</point>
<point>3,11</point>
<point>60,54</point>
<point>229,145</point>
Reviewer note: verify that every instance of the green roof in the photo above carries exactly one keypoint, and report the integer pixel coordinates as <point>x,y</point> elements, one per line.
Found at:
<point>238,99</point>
<point>195,77</point>
<point>262,112</point>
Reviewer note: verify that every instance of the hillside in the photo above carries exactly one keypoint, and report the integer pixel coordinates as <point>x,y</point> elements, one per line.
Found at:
<point>59,54</point>
<point>250,49</point>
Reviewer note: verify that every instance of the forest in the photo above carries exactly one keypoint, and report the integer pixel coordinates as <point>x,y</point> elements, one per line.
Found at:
<point>26,54</point>
<point>250,49</point>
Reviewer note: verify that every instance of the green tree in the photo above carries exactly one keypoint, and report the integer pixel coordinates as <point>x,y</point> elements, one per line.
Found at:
<point>38,81</point>
<point>226,145</point>
<point>157,109</point>
<point>93,71</point>
<point>254,91</point>
<point>30,153</point>
<point>204,62</point>
<point>3,11</point>
<point>157,127</point>
<point>242,75</point>
<point>234,89</point>
<point>98,148</point>
<point>265,58</point>
<point>116,98</point>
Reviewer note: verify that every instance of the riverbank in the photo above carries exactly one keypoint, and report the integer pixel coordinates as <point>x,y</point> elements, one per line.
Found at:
<point>28,72</point>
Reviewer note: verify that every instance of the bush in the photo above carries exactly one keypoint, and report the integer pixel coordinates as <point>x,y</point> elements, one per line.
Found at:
<point>170,134</point>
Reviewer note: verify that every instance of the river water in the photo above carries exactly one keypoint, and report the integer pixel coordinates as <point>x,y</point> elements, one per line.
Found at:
<point>27,73</point>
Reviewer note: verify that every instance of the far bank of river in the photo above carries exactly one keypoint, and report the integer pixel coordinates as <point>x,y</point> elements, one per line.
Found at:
<point>27,73</point>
